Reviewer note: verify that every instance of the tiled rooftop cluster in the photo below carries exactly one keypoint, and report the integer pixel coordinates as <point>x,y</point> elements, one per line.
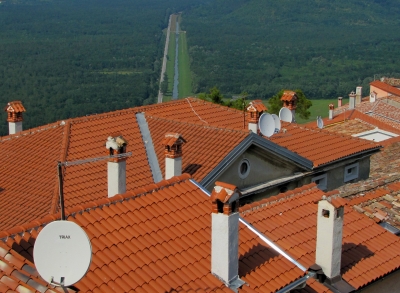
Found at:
<point>157,239</point>
<point>30,182</point>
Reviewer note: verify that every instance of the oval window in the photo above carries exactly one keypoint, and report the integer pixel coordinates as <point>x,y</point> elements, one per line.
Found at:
<point>244,168</point>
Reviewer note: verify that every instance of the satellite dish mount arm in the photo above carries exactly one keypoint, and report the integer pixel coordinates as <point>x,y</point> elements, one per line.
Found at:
<point>56,283</point>
<point>61,192</point>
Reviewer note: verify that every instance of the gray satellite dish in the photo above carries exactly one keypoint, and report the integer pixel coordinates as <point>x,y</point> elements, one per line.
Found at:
<point>277,123</point>
<point>285,115</point>
<point>320,122</point>
<point>267,125</point>
<point>62,253</point>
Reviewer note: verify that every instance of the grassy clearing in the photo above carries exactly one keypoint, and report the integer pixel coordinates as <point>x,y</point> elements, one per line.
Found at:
<point>318,108</point>
<point>185,78</point>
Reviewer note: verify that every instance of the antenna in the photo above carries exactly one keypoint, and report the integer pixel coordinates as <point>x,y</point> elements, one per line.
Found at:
<point>320,122</point>
<point>277,123</point>
<point>266,125</point>
<point>62,253</point>
<point>285,115</point>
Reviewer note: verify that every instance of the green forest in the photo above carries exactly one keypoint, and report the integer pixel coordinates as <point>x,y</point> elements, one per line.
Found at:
<point>326,48</point>
<point>79,57</point>
<point>68,58</point>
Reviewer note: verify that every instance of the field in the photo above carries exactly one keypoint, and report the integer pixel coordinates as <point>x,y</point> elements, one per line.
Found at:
<point>318,108</point>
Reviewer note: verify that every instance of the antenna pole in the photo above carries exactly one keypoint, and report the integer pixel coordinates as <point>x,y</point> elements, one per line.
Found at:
<point>61,192</point>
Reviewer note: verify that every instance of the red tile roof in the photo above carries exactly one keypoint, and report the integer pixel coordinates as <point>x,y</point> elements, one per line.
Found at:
<point>329,147</point>
<point>289,220</point>
<point>157,239</point>
<point>29,181</point>
<point>386,87</point>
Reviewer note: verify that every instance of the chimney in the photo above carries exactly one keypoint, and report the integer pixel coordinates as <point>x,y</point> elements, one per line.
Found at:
<point>225,234</point>
<point>329,236</point>
<point>358,95</point>
<point>14,116</point>
<point>254,111</point>
<point>331,108</point>
<point>372,97</point>
<point>116,166</point>
<point>339,102</point>
<point>289,99</point>
<point>352,100</point>
<point>173,154</point>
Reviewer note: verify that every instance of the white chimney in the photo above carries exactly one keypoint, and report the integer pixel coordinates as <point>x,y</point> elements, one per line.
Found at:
<point>173,154</point>
<point>331,108</point>
<point>254,111</point>
<point>352,100</point>
<point>329,236</point>
<point>14,116</point>
<point>225,234</point>
<point>339,102</point>
<point>358,95</point>
<point>372,97</point>
<point>116,166</point>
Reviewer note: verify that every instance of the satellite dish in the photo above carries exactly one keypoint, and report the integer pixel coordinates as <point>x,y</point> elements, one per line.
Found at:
<point>266,124</point>
<point>286,115</point>
<point>277,123</point>
<point>62,253</point>
<point>320,122</point>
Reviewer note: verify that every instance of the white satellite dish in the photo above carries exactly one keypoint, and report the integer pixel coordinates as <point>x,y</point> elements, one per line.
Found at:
<point>285,115</point>
<point>277,123</point>
<point>320,122</point>
<point>266,124</point>
<point>62,253</point>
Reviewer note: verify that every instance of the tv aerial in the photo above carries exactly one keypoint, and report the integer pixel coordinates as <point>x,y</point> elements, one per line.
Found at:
<point>320,122</point>
<point>286,115</point>
<point>277,123</point>
<point>62,253</point>
<point>266,124</point>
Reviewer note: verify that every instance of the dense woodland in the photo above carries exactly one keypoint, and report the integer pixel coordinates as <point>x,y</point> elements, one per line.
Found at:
<point>326,48</point>
<point>68,58</point>
<point>72,58</point>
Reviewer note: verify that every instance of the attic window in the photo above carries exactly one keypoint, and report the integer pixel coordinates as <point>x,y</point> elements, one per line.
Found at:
<point>244,168</point>
<point>351,172</point>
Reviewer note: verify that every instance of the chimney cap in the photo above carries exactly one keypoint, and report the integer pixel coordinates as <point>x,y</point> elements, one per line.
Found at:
<point>225,193</point>
<point>331,106</point>
<point>256,106</point>
<point>171,139</point>
<point>289,96</point>
<point>15,106</point>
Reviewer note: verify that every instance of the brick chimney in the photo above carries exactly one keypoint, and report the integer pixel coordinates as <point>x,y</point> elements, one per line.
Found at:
<point>254,111</point>
<point>225,234</point>
<point>14,116</point>
<point>358,95</point>
<point>340,101</point>
<point>331,108</point>
<point>352,100</point>
<point>289,99</point>
<point>173,154</point>
<point>116,167</point>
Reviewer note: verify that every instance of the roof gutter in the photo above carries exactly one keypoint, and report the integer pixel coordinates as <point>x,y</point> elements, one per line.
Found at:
<point>258,233</point>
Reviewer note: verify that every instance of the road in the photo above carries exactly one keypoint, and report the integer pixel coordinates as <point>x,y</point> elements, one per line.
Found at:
<point>164,64</point>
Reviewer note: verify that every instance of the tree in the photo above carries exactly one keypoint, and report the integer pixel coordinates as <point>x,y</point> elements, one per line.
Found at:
<point>216,96</point>
<point>303,104</point>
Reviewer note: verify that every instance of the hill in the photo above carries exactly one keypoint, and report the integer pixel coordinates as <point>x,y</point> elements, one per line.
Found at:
<point>326,48</point>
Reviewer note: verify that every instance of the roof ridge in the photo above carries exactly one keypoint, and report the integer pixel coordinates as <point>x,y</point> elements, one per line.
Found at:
<point>227,128</point>
<point>100,203</point>
<point>63,158</point>
<point>31,131</point>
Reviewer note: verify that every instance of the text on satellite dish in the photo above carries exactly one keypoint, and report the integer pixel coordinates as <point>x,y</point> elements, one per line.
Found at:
<point>65,237</point>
